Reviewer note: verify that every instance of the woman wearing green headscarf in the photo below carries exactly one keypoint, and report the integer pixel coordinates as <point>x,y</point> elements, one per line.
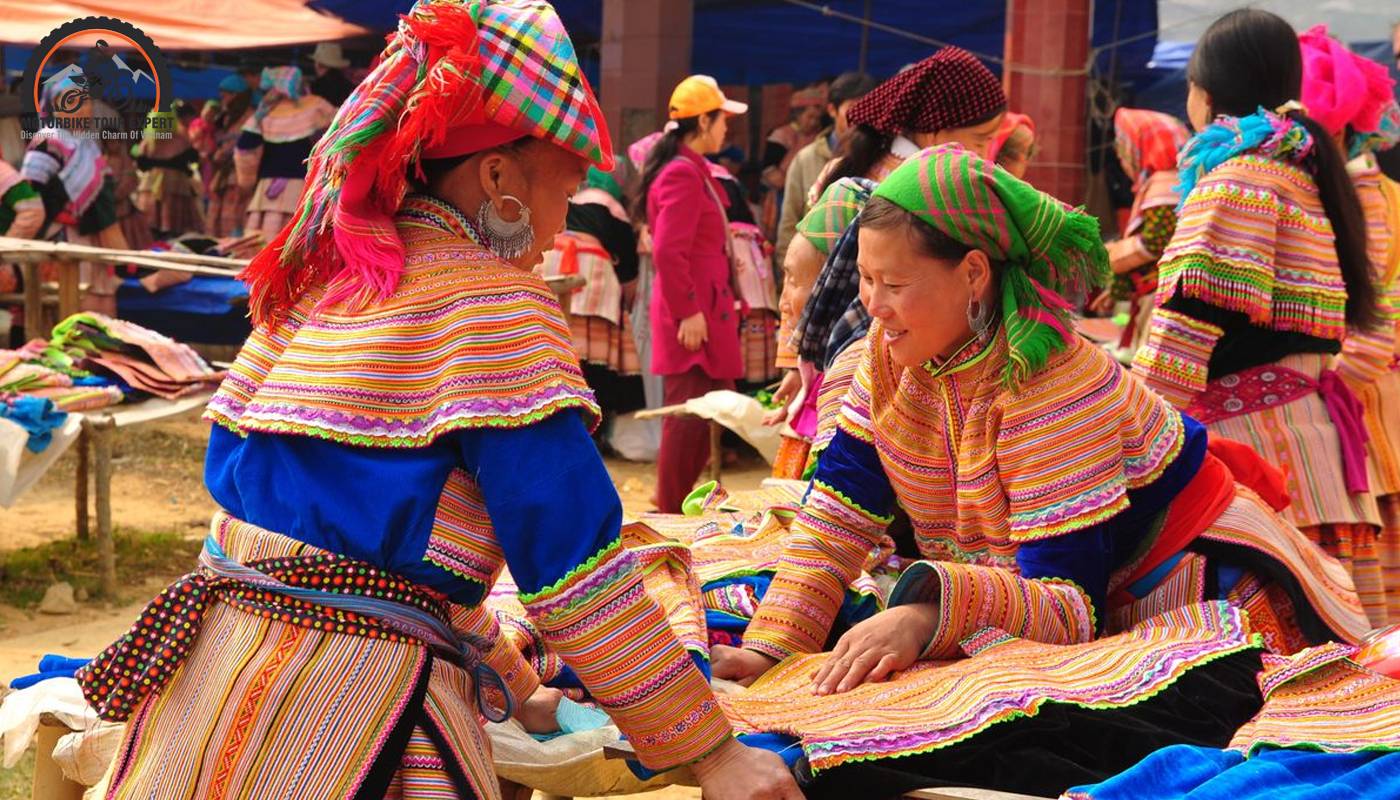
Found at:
<point>1055,497</point>
<point>599,243</point>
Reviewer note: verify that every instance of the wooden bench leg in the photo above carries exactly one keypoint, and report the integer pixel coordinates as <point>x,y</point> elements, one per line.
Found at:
<point>34,327</point>
<point>80,488</point>
<point>102,433</point>
<point>716,450</point>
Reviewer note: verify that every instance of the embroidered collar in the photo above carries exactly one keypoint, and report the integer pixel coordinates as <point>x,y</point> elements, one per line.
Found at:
<point>434,212</point>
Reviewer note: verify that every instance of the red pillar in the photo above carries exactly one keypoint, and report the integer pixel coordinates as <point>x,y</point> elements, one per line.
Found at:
<point>645,53</point>
<point>1047,49</point>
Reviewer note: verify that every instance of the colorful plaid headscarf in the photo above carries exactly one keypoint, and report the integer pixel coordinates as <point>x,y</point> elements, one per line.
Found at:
<point>1340,88</point>
<point>1147,142</point>
<point>835,302</point>
<point>285,80</point>
<point>833,213</point>
<point>949,89</point>
<point>458,76</point>
<point>1047,249</point>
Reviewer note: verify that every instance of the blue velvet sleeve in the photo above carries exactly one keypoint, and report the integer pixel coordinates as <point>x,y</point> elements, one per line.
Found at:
<point>550,498</point>
<point>1089,556</point>
<point>853,468</point>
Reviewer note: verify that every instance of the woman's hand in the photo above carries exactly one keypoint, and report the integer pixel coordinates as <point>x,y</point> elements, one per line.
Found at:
<point>693,331</point>
<point>787,392</point>
<point>537,713</point>
<point>872,650</point>
<point>738,665</point>
<point>738,772</point>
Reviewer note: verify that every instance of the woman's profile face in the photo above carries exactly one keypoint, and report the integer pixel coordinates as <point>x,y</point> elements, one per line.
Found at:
<point>921,301</point>
<point>543,176</point>
<point>976,138</point>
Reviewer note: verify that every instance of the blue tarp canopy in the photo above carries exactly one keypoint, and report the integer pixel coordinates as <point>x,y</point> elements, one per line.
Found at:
<point>758,42</point>
<point>1164,89</point>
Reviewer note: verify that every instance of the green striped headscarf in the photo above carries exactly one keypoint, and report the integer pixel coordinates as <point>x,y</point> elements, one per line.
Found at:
<point>833,212</point>
<point>598,179</point>
<point>1048,249</point>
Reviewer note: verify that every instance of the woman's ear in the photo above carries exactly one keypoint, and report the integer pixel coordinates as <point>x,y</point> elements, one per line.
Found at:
<point>491,174</point>
<point>979,272</point>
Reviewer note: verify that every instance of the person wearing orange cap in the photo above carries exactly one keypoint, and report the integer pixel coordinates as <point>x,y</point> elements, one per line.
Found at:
<point>406,420</point>
<point>694,322</point>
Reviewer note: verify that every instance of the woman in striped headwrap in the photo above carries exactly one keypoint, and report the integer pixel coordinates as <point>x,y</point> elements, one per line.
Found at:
<point>1147,143</point>
<point>1352,98</point>
<point>817,233</point>
<point>406,420</point>
<point>1056,497</point>
<point>1267,273</point>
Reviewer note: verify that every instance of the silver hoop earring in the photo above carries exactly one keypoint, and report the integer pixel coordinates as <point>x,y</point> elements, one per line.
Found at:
<point>979,317</point>
<point>507,239</point>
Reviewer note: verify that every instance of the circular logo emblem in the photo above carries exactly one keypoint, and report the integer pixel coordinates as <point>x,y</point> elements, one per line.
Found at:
<point>97,77</point>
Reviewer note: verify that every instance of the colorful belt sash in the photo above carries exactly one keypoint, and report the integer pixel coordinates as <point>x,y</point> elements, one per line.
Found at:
<point>145,658</point>
<point>1272,386</point>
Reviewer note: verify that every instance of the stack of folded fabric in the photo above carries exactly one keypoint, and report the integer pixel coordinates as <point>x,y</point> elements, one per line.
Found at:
<point>23,372</point>
<point>138,358</point>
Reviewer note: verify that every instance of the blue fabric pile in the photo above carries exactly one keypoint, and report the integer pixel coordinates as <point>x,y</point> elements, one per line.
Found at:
<point>36,415</point>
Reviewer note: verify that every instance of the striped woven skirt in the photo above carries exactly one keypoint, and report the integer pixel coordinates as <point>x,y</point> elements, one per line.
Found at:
<point>275,696</point>
<point>758,338</point>
<point>1381,401</point>
<point>1301,437</point>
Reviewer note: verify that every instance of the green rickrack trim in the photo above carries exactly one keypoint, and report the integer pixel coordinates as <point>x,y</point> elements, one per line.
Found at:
<point>559,586</point>
<point>853,505</point>
<point>523,420</point>
<point>1035,709</point>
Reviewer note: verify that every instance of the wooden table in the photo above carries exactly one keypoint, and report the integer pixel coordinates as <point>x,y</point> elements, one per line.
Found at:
<point>31,253</point>
<point>716,433</point>
<point>95,459</point>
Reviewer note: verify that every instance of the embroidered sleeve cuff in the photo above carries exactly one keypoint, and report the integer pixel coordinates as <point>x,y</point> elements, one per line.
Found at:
<point>504,656</point>
<point>834,538</point>
<point>971,598</point>
<point>1176,356</point>
<point>603,623</point>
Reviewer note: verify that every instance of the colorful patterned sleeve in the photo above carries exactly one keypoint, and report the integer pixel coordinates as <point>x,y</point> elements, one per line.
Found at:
<point>557,517</point>
<point>1367,355</point>
<point>1158,226</point>
<point>1175,359</point>
<point>842,520</point>
<point>1073,442</point>
<point>972,597</point>
<point>504,656</point>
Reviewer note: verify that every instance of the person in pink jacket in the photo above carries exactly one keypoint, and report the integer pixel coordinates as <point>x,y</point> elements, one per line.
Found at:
<point>694,320</point>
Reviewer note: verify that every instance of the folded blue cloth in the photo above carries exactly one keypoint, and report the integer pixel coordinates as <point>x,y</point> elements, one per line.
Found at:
<point>36,415</point>
<point>50,666</point>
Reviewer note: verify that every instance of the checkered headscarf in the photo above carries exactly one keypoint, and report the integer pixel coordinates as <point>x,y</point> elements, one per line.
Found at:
<point>833,311</point>
<point>458,76</point>
<point>949,89</point>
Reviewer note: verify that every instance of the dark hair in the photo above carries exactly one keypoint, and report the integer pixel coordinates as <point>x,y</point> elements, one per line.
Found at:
<point>661,154</point>
<point>1251,58</point>
<point>885,215</point>
<point>435,168</point>
<point>862,150</point>
<point>850,86</point>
